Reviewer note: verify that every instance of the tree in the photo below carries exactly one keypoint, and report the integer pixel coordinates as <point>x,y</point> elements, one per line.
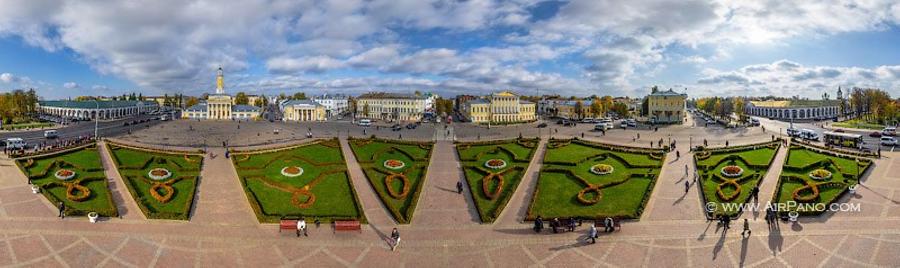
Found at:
<point>645,107</point>
<point>241,98</point>
<point>621,109</point>
<point>365,110</point>
<point>262,101</point>
<point>299,96</point>
<point>607,102</point>
<point>596,107</point>
<point>579,109</point>
<point>191,101</point>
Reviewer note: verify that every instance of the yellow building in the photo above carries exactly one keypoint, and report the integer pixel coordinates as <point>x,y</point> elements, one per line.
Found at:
<point>303,110</point>
<point>666,106</point>
<point>220,106</point>
<point>501,107</point>
<point>391,106</point>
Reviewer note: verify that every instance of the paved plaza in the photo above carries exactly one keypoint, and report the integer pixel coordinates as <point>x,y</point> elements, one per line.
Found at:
<point>446,231</point>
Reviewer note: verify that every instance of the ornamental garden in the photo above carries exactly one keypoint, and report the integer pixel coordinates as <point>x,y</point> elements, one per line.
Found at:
<point>728,175</point>
<point>162,183</point>
<point>74,177</point>
<point>815,178</point>
<point>308,180</point>
<point>589,180</point>
<point>396,170</point>
<point>493,171</point>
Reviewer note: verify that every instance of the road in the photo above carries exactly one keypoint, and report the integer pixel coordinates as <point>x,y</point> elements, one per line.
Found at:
<point>105,128</point>
<point>781,126</point>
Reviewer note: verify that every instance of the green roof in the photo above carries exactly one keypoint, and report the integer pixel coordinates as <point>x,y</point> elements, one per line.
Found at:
<point>795,103</point>
<point>93,104</point>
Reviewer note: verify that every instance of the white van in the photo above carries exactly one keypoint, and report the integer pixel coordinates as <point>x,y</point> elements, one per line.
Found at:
<point>889,131</point>
<point>809,134</point>
<point>888,141</point>
<point>50,134</point>
<point>600,127</point>
<point>15,143</point>
<point>365,122</point>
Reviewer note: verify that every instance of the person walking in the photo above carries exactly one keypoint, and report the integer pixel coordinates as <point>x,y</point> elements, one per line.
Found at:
<point>592,233</point>
<point>395,237</point>
<point>755,193</point>
<point>677,154</point>
<point>459,187</point>
<point>687,186</point>
<point>769,218</point>
<point>685,170</point>
<point>572,224</point>
<point>62,209</point>
<point>746,228</point>
<point>301,227</point>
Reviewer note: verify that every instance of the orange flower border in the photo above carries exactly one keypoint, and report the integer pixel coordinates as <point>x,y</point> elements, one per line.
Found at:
<point>406,185</point>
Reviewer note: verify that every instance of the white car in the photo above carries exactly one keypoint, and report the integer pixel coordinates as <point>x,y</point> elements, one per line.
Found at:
<point>888,141</point>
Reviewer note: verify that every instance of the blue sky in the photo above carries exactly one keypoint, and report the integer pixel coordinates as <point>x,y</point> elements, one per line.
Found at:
<point>66,48</point>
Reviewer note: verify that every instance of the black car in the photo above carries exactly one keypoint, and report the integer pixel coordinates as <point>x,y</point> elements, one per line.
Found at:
<point>411,126</point>
<point>569,123</point>
<point>560,122</point>
<point>396,127</point>
<point>542,125</point>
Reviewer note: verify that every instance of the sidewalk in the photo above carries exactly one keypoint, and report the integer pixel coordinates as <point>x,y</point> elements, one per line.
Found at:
<point>440,204</point>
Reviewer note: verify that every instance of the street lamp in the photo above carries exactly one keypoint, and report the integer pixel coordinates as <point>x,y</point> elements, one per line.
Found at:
<point>96,119</point>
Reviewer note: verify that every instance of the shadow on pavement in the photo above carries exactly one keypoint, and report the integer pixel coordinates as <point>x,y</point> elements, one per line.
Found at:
<point>775,239</point>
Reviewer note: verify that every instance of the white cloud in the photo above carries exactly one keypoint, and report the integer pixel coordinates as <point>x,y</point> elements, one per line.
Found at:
<point>8,78</point>
<point>316,64</point>
<point>787,78</point>
<point>70,85</point>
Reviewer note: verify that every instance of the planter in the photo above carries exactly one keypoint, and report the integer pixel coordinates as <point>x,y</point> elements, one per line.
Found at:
<point>820,174</point>
<point>732,171</point>
<point>292,171</point>
<point>495,164</point>
<point>159,174</point>
<point>793,215</point>
<point>93,216</point>
<point>64,174</point>
<point>394,164</point>
<point>601,169</point>
<point>35,189</point>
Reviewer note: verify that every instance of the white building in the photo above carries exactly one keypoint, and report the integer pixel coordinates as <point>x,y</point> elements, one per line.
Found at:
<point>391,106</point>
<point>95,109</point>
<point>334,104</point>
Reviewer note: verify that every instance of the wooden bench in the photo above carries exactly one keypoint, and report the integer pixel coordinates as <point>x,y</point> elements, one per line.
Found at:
<point>347,225</point>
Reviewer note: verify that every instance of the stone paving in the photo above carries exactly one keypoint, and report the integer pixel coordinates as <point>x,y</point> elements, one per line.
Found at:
<point>223,231</point>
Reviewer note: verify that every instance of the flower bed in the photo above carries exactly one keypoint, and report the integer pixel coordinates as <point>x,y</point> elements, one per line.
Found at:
<point>394,164</point>
<point>602,169</point>
<point>162,182</point>
<point>291,171</point>
<point>324,190</point>
<point>818,177</point>
<point>64,174</point>
<point>495,164</point>
<point>732,171</point>
<point>73,176</point>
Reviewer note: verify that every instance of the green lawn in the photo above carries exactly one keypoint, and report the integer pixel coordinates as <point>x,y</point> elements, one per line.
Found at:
<point>29,125</point>
<point>88,170</point>
<point>858,123</point>
<point>152,196</point>
<point>402,195</point>
<point>796,184</point>
<point>566,172</point>
<point>323,190</point>
<point>754,160</point>
<point>517,155</point>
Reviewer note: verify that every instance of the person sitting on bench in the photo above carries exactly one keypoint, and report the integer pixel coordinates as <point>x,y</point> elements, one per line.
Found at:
<point>301,227</point>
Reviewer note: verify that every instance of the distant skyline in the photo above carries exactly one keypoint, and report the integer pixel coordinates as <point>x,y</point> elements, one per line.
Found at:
<point>67,48</point>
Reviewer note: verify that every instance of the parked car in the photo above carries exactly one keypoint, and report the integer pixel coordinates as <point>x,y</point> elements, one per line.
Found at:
<point>888,141</point>
<point>623,124</point>
<point>411,126</point>
<point>889,131</point>
<point>569,123</point>
<point>587,120</point>
<point>600,127</point>
<point>542,125</point>
<point>875,134</point>
<point>365,122</point>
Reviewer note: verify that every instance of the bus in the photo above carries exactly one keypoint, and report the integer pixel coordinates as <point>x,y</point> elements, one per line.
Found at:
<point>843,139</point>
<point>15,143</point>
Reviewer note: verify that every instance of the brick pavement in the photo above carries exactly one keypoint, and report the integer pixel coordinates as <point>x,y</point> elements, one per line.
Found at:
<point>31,236</point>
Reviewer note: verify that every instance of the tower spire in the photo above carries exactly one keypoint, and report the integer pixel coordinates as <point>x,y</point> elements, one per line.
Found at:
<point>220,81</point>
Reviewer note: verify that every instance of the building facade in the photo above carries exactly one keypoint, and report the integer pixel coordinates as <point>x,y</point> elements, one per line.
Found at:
<point>220,106</point>
<point>666,106</point>
<point>501,107</point>
<point>390,106</point>
<point>794,109</point>
<point>303,110</point>
<point>334,105</point>
<point>565,108</point>
<point>90,109</point>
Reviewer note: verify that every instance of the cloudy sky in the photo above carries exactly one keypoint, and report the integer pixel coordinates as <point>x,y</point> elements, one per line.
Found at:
<point>581,47</point>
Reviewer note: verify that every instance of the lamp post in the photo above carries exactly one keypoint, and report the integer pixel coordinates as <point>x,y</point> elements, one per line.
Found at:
<point>96,120</point>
